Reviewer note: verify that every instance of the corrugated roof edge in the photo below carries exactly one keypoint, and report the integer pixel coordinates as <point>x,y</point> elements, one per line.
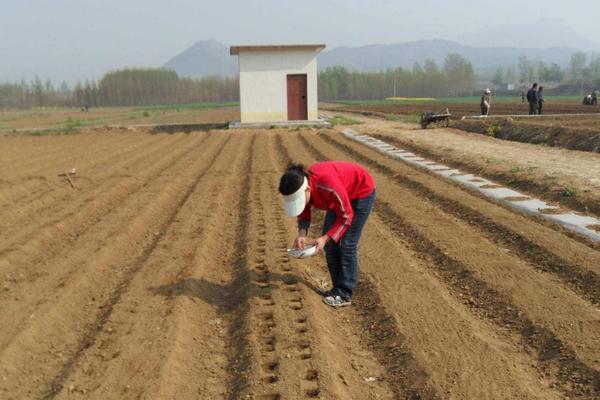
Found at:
<point>235,50</point>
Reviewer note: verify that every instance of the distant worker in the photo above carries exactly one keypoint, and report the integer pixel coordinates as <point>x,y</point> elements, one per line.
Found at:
<point>595,97</point>
<point>522,96</point>
<point>486,100</point>
<point>540,99</point>
<point>532,99</point>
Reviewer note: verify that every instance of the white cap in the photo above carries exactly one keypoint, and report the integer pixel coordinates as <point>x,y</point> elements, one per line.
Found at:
<point>294,203</point>
<point>488,91</point>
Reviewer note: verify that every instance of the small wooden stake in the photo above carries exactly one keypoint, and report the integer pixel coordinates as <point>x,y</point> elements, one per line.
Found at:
<point>68,175</point>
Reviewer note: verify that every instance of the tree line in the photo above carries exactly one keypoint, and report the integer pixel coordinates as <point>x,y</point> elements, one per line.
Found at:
<point>127,87</point>
<point>581,69</point>
<point>140,87</point>
<point>455,78</point>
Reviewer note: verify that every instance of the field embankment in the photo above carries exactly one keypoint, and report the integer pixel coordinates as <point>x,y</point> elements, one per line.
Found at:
<point>575,133</point>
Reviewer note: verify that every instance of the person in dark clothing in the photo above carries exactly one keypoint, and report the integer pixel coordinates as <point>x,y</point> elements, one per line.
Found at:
<point>532,99</point>
<point>540,99</point>
<point>522,96</point>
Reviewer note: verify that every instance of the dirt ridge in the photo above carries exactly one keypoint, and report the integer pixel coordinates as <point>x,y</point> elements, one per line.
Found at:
<point>56,384</point>
<point>407,378</point>
<point>516,181</point>
<point>580,280</point>
<point>554,357</point>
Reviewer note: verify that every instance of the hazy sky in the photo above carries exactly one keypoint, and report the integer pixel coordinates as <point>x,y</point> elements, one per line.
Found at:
<point>69,39</point>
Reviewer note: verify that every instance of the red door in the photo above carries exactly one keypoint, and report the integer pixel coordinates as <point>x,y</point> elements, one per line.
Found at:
<point>296,97</point>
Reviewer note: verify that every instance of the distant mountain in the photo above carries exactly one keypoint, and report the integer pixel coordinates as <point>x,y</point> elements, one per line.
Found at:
<point>539,34</point>
<point>212,57</point>
<point>382,56</point>
<point>208,57</point>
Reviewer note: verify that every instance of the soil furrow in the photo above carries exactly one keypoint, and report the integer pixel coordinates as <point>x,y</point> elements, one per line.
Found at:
<point>176,300</point>
<point>51,334</point>
<point>554,357</point>
<point>405,376</point>
<point>51,152</point>
<point>301,373</point>
<point>237,307</point>
<point>506,177</point>
<point>50,236</point>
<point>89,337</point>
<point>59,269</point>
<point>53,210</point>
<point>36,198</point>
<point>584,282</point>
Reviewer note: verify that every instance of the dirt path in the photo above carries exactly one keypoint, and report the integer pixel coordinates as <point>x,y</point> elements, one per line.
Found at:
<point>559,175</point>
<point>165,276</point>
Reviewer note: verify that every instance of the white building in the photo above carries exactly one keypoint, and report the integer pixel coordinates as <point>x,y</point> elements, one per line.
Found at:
<point>278,83</point>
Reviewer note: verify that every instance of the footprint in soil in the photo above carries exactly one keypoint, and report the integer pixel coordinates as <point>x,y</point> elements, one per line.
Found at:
<point>288,280</point>
<point>312,375</point>
<point>270,379</point>
<point>267,299</point>
<point>263,277</point>
<point>268,319</point>
<point>304,345</point>
<point>272,367</point>
<point>269,344</point>
<point>225,296</point>
<point>275,396</point>
<point>261,268</point>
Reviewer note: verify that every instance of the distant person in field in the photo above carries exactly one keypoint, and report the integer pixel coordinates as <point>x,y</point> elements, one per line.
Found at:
<point>540,99</point>
<point>532,99</point>
<point>486,101</point>
<point>347,192</point>
<point>522,96</point>
<point>595,97</point>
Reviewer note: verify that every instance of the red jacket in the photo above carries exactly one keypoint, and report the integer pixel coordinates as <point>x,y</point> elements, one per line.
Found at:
<point>333,185</point>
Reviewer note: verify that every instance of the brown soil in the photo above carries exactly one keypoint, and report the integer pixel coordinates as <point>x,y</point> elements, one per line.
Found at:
<point>568,133</point>
<point>58,119</point>
<point>461,109</point>
<point>163,274</point>
<point>567,177</point>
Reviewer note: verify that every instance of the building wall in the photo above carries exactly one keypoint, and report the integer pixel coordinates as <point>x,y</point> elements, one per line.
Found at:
<point>263,83</point>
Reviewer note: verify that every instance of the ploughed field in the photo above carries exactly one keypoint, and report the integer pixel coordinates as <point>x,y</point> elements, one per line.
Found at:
<point>163,274</point>
<point>459,110</point>
<point>572,132</point>
<point>59,119</point>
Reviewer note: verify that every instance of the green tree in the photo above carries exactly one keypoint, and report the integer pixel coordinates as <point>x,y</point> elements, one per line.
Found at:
<point>498,77</point>
<point>459,74</point>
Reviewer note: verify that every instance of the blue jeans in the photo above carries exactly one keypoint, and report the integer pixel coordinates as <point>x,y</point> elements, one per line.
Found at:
<point>342,257</point>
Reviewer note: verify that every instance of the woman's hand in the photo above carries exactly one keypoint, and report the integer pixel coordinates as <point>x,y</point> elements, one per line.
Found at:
<point>300,241</point>
<point>320,242</point>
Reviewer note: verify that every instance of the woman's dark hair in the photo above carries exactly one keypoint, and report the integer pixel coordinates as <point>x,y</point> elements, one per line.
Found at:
<point>292,179</point>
